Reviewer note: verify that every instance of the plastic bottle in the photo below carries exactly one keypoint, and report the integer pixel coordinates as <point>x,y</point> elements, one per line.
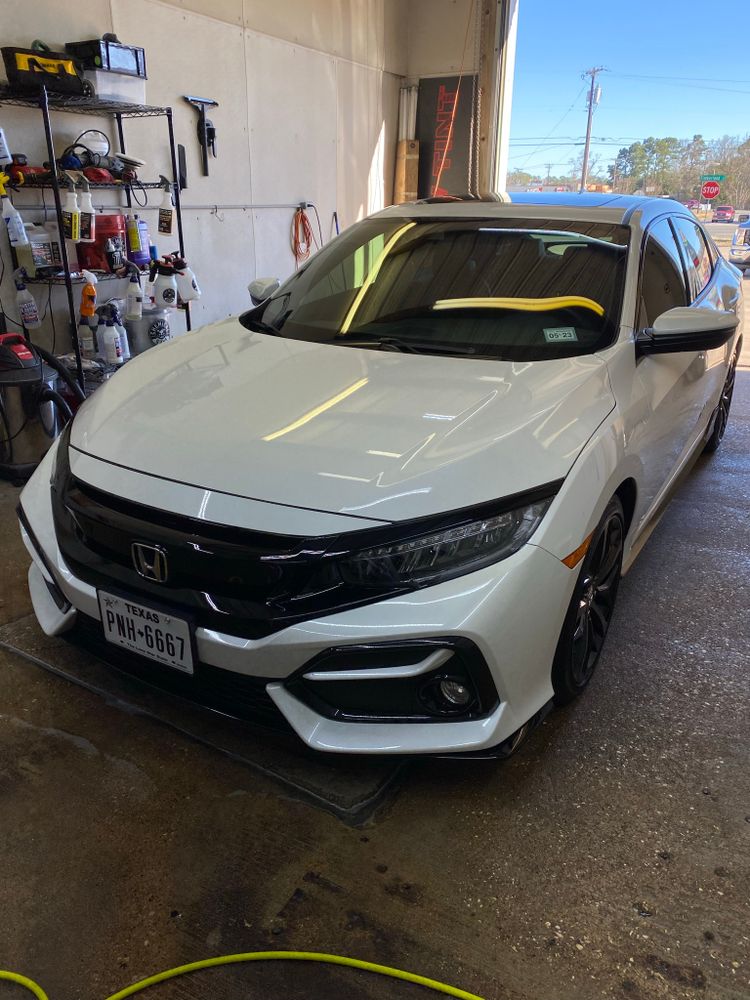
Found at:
<point>134,300</point>
<point>122,333</point>
<point>187,286</point>
<point>138,241</point>
<point>88,218</point>
<point>5,155</point>
<point>166,210</point>
<point>54,233</point>
<point>88,298</point>
<point>27,307</point>
<point>99,338</point>
<point>86,340</point>
<point>71,215</point>
<point>14,222</point>
<point>165,285</point>
<point>111,344</point>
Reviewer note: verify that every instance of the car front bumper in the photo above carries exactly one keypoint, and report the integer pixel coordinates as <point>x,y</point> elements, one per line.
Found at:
<point>511,613</point>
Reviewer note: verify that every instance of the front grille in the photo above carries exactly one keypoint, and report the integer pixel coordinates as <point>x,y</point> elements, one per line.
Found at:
<point>225,691</point>
<point>232,580</point>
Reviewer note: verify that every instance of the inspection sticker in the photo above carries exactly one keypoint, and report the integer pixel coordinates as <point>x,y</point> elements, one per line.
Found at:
<point>552,334</point>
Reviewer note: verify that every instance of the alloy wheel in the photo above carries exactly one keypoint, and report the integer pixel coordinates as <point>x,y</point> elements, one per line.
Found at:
<point>596,599</point>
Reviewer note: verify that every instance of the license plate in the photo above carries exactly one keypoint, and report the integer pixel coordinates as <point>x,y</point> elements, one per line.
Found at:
<point>144,630</point>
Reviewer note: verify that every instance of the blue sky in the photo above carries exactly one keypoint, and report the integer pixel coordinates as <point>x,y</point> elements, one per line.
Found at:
<point>640,43</point>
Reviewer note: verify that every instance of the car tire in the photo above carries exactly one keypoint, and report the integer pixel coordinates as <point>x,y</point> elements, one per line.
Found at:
<point>591,606</point>
<point>720,417</point>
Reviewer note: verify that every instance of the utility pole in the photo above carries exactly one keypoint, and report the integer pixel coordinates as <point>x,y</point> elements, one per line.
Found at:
<point>549,168</point>
<point>594,95</point>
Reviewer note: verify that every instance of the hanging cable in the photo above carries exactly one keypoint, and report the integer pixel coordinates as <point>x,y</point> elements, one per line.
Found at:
<point>303,238</point>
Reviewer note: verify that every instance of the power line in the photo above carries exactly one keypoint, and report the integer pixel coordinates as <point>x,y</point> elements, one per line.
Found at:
<point>559,123</point>
<point>594,93</point>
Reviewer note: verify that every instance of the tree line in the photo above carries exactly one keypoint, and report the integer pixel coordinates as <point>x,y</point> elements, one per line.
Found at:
<point>666,166</point>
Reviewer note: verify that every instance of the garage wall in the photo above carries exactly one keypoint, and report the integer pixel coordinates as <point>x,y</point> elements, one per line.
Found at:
<point>436,30</point>
<point>308,95</point>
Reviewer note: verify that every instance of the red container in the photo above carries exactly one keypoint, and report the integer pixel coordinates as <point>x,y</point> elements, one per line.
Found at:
<point>92,256</point>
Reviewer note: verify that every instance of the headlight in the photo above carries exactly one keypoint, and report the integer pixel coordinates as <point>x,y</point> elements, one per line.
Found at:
<point>442,555</point>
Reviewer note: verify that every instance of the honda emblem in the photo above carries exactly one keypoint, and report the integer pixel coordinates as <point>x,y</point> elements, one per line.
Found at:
<point>150,561</point>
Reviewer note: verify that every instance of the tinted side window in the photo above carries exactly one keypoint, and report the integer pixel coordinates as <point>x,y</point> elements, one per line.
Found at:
<point>697,258</point>
<point>662,281</point>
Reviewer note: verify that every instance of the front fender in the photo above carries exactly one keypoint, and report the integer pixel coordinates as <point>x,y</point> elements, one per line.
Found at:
<point>595,477</point>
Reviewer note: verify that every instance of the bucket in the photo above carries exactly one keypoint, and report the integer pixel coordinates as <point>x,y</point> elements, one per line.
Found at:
<point>108,227</point>
<point>148,331</point>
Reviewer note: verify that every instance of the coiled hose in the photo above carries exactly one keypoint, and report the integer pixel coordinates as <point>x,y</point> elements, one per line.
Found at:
<point>262,956</point>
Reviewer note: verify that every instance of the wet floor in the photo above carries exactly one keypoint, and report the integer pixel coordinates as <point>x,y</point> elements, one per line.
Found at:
<point>610,858</point>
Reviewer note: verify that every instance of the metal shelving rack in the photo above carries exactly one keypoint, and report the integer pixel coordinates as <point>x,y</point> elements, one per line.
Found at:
<point>118,110</point>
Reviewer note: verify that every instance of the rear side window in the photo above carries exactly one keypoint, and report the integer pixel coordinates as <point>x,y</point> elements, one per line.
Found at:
<point>698,262</point>
<point>662,280</point>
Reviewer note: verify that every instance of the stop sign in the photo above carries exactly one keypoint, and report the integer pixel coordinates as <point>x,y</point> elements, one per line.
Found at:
<point>710,189</point>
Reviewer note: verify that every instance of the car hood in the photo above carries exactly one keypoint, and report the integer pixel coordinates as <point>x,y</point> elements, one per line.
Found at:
<point>365,433</point>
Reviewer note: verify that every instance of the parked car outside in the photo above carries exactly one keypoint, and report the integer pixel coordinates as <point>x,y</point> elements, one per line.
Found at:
<point>723,213</point>
<point>739,252</point>
<point>389,506</point>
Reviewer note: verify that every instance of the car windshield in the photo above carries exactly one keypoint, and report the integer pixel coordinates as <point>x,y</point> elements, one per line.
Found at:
<point>508,289</point>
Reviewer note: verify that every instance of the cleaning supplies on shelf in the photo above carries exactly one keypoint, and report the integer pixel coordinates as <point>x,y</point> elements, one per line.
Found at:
<point>25,302</point>
<point>111,346</point>
<point>14,222</point>
<point>86,340</point>
<point>121,333</point>
<point>88,216</point>
<point>88,298</point>
<point>187,286</point>
<point>53,229</point>
<point>71,215</point>
<point>166,210</point>
<point>134,299</point>
<point>5,153</point>
<point>165,284</point>
<point>137,233</point>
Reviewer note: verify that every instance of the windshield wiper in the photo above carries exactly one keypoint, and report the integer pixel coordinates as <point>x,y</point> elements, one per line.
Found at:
<point>407,346</point>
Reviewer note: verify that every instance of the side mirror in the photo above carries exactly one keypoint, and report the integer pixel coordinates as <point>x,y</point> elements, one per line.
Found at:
<point>262,289</point>
<point>687,328</point>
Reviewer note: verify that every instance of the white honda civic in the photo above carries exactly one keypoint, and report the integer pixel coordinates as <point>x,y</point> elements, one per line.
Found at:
<point>389,506</point>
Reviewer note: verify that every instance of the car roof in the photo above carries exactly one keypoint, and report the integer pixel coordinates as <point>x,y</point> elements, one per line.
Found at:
<point>596,207</point>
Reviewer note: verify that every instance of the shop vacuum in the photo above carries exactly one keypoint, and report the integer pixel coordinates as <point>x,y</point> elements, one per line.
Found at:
<point>32,412</point>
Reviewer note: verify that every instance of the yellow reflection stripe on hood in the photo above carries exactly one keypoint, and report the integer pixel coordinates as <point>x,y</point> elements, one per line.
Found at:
<point>374,270</point>
<point>527,305</point>
<point>306,417</point>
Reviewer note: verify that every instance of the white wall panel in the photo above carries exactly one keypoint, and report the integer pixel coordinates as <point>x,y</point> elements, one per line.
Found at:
<point>367,111</point>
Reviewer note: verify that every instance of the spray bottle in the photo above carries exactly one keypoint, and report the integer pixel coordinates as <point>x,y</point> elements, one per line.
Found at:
<point>88,216</point>
<point>5,154</point>
<point>165,284</point>
<point>111,345</point>
<point>134,299</point>
<point>27,307</point>
<point>187,286</point>
<point>12,217</point>
<point>122,333</point>
<point>88,298</point>
<point>86,340</point>
<point>71,214</point>
<point>166,210</point>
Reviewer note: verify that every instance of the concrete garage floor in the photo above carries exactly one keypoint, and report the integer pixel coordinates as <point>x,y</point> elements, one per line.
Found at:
<point>610,858</point>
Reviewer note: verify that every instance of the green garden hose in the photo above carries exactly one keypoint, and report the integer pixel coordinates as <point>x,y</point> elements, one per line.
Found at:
<point>262,956</point>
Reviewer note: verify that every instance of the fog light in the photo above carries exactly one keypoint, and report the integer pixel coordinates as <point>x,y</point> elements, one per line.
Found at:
<point>455,693</point>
